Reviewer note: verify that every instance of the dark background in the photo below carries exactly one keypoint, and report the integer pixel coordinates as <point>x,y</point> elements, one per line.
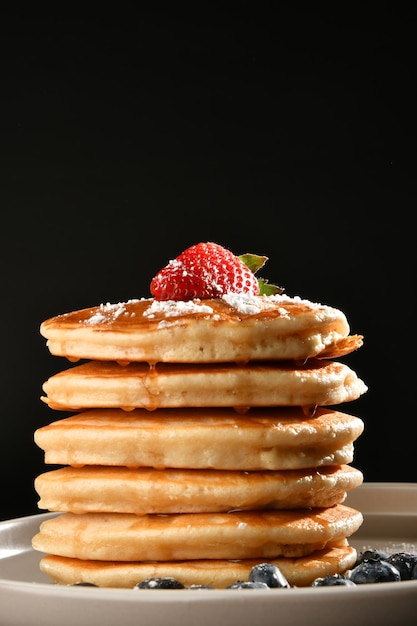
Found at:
<point>128,136</point>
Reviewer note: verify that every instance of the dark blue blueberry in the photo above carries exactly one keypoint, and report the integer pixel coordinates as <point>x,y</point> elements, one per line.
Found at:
<point>269,574</point>
<point>371,555</point>
<point>241,584</point>
<point>374,571</point>
<point>331,580</point>
<point>159,582</point>
<point>200,587</point>
<point>404,562</point>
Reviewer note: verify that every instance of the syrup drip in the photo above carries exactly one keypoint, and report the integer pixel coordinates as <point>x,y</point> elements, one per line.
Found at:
<point>309,411</point>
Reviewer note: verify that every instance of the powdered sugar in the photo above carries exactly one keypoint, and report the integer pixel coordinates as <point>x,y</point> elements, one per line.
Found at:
<point>251,305</point>
<point>108,312</point>
<point>174,308</point>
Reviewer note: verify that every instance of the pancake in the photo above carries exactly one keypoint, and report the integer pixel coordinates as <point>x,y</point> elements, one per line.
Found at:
<point>261,439</point>
<point>106,384</point>
<point>231,328</point>
<point>217,573</point>
<point>148,491</point>
<point>188,536</point>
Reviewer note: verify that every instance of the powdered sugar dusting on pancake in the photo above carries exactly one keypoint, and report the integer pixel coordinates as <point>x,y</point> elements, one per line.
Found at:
<point>107,312</point>
<point>174,308</point>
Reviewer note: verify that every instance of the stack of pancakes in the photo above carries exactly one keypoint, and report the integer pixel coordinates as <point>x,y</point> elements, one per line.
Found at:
<point>202,441</point>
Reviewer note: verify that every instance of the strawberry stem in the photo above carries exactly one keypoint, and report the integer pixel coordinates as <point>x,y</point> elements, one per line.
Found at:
<point>254,262</point>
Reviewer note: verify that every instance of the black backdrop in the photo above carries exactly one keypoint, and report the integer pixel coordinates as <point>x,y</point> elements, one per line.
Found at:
<point>127,137</point>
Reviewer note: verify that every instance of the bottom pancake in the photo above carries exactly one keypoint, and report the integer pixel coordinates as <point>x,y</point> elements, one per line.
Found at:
<point>299,572</point>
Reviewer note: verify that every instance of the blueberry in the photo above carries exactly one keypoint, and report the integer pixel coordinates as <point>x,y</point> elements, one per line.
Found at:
<point>374,571</point>
<point>159,582</point>
<point>241,584</point>
<point>200,587</point>
<point>332,580</point>
<point>268,573</point>
<point>370,554</point>
<point>404,562</point>
<point>83,584</point>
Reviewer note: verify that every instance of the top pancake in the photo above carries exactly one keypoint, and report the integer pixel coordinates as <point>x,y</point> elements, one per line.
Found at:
<point>234,327</point>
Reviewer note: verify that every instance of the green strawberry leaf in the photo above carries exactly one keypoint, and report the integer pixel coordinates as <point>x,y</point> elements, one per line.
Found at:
<point>266,289</point>
<point>254,262</point>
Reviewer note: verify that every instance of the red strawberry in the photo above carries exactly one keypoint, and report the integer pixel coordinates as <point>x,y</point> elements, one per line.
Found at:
<point>205,270</point>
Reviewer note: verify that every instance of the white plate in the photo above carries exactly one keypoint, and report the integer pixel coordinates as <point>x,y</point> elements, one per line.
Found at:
<point>390,521</point>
